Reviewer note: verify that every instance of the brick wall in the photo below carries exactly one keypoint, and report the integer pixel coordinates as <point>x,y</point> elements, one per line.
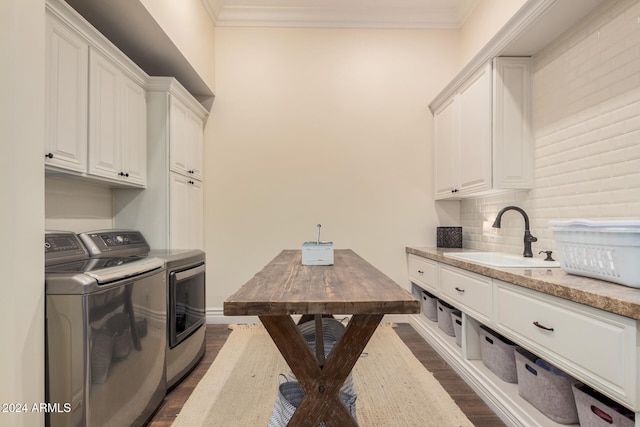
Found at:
<point>586,128</point>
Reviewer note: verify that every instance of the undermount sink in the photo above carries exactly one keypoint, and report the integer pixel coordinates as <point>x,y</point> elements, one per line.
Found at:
<point>502,260</point>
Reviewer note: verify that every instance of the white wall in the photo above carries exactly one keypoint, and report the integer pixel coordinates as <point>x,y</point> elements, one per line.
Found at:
<point>487,17</point>
<point>189,26</point>
<point>321,126</point>
<point>22,209</point>
<point>74,205</point>
<point>586,127</point>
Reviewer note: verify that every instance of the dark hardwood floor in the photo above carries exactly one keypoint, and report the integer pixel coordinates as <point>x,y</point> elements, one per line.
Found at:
<point>473,407</point>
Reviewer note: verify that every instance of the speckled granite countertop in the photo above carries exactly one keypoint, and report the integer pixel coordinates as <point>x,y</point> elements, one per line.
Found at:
<point>606,296</point>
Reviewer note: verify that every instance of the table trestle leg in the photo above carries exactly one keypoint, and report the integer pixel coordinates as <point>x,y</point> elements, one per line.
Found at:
<point>321,382</point>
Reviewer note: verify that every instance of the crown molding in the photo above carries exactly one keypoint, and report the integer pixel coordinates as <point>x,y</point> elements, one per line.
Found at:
<point>410,14</point>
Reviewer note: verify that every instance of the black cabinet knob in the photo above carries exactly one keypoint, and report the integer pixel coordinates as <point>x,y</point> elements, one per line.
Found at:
<point>49,155</point>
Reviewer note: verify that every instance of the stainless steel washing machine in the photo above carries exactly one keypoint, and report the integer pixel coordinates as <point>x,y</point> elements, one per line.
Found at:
<point>105,330</point>
<point>186,320</point>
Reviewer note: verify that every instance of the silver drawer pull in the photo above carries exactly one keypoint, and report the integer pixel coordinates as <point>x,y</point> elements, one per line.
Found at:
<point>420,272</point>
<point>460,290</point>
<point>543,327</point>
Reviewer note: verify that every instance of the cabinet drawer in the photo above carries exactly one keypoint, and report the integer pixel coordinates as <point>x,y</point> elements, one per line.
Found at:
<point>423,272</point>
<point>468,291</point>
<point>594,346</point>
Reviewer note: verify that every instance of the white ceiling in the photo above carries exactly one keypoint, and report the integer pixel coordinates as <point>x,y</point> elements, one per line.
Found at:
<point>341,13</point>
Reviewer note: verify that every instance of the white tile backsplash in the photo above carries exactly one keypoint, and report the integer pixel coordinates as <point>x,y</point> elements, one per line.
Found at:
<point>586,128</point>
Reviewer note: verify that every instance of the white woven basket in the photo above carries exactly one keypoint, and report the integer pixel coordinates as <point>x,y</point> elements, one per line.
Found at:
<point>606,250</point>
<point>290,396</point>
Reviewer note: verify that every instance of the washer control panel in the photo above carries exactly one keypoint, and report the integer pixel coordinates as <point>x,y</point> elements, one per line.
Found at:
<point>124,238</point>
<point>63,246</point>
<point>115,242</point>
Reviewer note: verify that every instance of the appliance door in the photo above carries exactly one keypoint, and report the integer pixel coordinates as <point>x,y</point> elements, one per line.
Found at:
<point>106,353</point>
<point>186,302</point>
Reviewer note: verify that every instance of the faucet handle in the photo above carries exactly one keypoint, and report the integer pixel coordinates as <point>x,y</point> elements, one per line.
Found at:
<point>548,258</point>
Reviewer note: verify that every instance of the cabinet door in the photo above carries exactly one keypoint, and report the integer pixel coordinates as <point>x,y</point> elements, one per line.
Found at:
<point>179,153</point>
<point>186,143</point>
<point>186,212</point>
<point>446,177</point>
<point>475,132</point>
<point>512,146</point>
<point>134,133</point>
<point>196,145</point>
<point>104,122</point>
<point>196,203</point>
<point>66,66</point>
<point>179,211</point>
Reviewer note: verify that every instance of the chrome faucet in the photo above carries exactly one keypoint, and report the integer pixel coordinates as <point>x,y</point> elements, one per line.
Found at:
<point>528,237</point>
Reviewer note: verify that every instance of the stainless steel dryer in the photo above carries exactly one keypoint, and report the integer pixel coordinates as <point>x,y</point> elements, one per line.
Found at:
<point>186,310</point>
<point>105,330</point>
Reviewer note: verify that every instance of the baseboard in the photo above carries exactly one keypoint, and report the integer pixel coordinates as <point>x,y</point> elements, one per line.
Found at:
<point>215,316</point>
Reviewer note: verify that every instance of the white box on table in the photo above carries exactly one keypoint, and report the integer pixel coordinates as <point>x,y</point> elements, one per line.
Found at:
<point>317,253</point>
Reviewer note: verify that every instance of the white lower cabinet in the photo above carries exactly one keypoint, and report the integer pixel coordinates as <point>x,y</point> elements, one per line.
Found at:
<point>467,291</point>
<point>593,345</point>
<point>423,272</point>
<point>598,348</point>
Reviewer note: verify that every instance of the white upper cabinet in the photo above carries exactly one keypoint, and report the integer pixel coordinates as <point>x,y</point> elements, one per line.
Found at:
<point>482,135</point>
<point>170,211</point>
<point>66,71</point>
<point>117,123</point>
<point>96,119</point>
<point>512,139</point>
<point>474,158</point>
<point>186,129</point>
<point>134,132</point>
<point>446,131</point>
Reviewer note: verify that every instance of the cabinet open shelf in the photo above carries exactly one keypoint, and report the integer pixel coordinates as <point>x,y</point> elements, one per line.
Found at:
<point>501,396</point>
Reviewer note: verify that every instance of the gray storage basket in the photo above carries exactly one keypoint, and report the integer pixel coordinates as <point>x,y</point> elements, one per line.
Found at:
<point>547,388</point>
<point>498,355</point>
<point>456,319</point>
<point>332,331</point>
<point>430,306</point>
<point>444,318</point>
<point>597,410</point>
<point>290,396</point>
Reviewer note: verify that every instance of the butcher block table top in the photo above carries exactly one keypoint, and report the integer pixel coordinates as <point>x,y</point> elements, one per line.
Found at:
<point>350,286</point>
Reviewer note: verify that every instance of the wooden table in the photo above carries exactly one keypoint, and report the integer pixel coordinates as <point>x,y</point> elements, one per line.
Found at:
<point>350,286</point>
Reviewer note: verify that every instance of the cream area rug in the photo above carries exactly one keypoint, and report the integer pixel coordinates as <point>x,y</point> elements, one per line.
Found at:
<point>393,388</point>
